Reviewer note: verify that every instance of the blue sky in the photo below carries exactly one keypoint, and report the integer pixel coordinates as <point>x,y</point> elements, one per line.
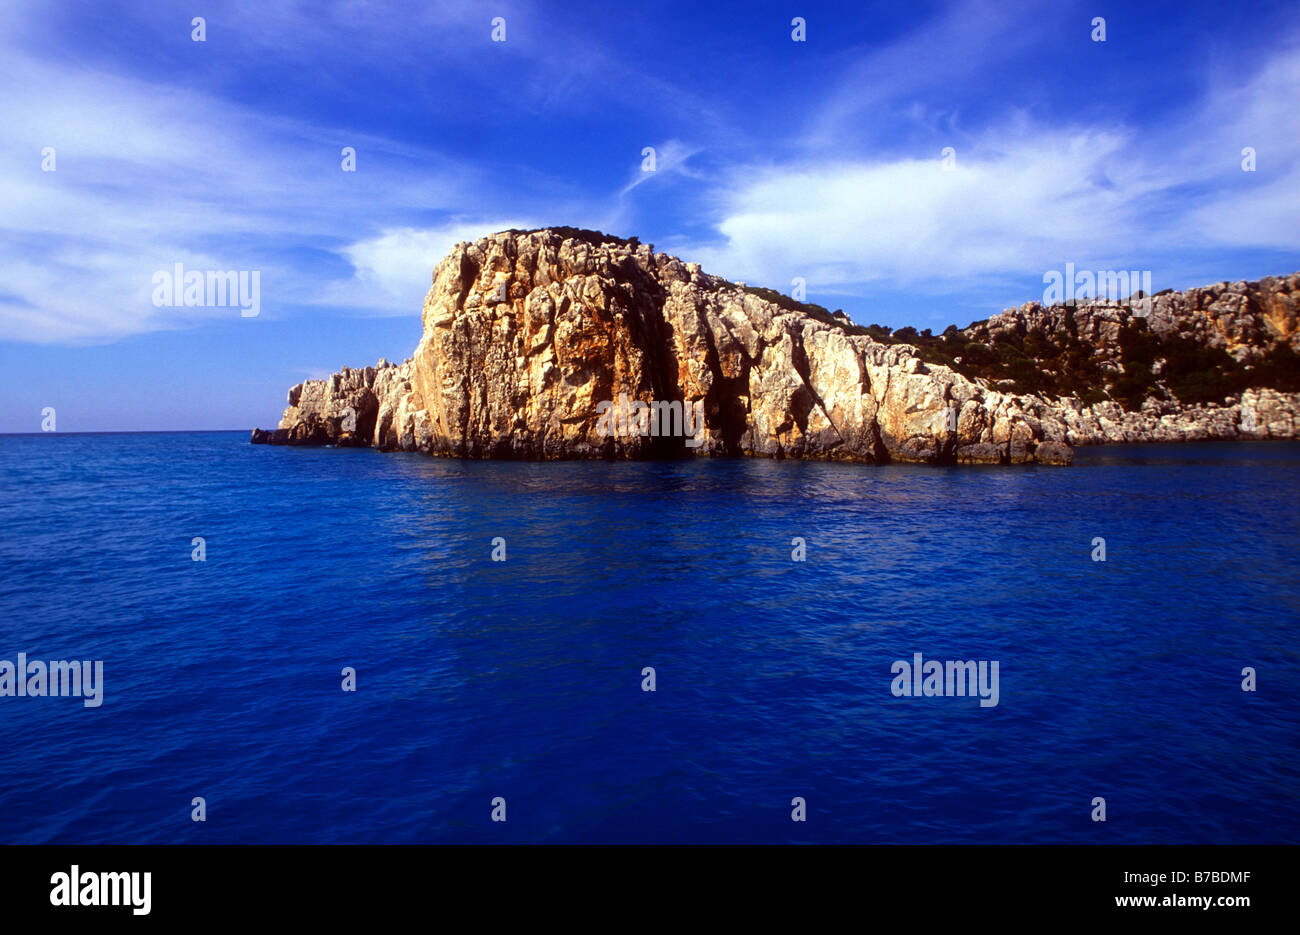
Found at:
<point>775,159</point>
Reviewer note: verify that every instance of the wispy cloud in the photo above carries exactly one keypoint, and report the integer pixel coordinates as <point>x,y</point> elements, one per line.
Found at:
<point>147,176</point>
<point>669,158</point>
<point>1025,196</point>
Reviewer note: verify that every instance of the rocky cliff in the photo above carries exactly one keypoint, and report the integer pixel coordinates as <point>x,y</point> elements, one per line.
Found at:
<point>563,343</point>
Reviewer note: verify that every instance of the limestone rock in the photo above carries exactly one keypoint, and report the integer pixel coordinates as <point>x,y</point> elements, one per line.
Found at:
<point>532,340</point>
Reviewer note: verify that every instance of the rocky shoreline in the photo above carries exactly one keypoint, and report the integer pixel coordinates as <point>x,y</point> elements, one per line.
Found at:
<point>529,336</point>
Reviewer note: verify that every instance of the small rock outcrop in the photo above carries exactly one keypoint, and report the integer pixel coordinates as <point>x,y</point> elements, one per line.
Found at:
<point>562,343</point>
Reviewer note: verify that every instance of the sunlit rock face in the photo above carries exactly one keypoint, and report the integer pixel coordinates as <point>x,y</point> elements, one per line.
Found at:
<point>537,343</point>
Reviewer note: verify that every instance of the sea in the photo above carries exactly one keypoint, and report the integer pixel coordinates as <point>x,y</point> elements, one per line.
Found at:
<point>317,645</point>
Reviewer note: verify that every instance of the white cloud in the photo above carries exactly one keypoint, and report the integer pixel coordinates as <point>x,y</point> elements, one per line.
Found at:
<point>147,176</point>
<point>1027,197</point>
<point>393,271</point>
<point>912,221</point>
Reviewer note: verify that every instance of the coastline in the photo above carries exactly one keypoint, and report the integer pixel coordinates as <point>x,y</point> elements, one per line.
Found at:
<point>529,334</point>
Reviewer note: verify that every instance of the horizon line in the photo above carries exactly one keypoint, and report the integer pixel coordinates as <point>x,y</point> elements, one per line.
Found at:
<point>123,432</point>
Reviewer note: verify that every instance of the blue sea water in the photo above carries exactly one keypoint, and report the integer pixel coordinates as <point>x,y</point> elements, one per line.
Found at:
<point>523,679</point>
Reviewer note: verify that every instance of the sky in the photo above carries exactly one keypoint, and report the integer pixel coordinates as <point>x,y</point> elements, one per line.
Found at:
<point>913,163</point>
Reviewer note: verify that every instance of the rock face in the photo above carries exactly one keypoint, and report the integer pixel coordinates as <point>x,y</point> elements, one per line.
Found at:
<point>1244,318</point>
<point>543,344</point>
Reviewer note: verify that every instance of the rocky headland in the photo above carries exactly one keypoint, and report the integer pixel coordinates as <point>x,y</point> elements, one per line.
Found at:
<point>529,336</point>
